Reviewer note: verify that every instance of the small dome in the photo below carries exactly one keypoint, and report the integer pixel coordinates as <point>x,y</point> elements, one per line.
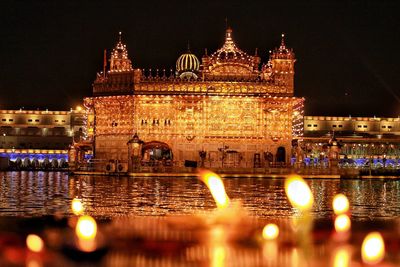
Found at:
<point>187,62</point>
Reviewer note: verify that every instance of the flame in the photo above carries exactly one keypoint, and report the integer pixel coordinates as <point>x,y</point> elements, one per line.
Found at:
<point>86,231</point>
<point>299,193</point>
<point>373,248</point>
<point>340,204</point>
<point>34,243</point>
<point>270,231</point>
<point>77,206</point>
<point>342,223</point>
<point>86,228</point>
<point>216,186</point>
<point>342,258</point>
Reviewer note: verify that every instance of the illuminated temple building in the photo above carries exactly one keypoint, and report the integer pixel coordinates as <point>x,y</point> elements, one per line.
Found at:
<point>227,110</point>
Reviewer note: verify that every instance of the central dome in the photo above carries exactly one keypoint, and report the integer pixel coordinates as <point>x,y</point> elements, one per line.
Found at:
<point>229,51</point>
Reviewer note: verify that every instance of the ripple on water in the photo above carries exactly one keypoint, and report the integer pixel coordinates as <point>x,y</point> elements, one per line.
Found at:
<point>45,193</point>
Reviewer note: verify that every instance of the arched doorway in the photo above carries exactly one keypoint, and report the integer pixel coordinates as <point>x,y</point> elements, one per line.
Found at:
<point>156,151</point>
<point>281,154</point>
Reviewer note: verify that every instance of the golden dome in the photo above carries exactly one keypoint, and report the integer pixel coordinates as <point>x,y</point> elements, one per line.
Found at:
<point>187,62</point>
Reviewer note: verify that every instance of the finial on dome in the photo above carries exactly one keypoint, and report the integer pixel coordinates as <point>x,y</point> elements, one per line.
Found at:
<point>188,46</point>
<point>256,52</point>
<point>228,36</point>
<point>283,40</point>
<point>120,36</point>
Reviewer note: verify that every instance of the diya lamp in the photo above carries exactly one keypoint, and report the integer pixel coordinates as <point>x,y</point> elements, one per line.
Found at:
<point>342,223</point>
<point>77,206</point>
<point>300,197</point>
<point>229,214</point>
<point>270,248</point>
<point>35,246</point>
<point>373,249</point>
<point>87,243</point>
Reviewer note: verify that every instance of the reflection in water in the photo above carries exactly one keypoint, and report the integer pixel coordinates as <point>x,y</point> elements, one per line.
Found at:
<point>342,257</point>
<point>43,193</point>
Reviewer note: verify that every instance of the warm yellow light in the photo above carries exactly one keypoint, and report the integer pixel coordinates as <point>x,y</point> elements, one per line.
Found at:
<point>216,187</point>
<point>373,248</point>
<point>342,258</point>
<point>342,223</point>
<point>340,204</point>
<point>299,193</point>
<point>77,206</point>
<point>86,228</point>
<point>78,108</point>
<point>270,231</point>
<point>34,243</point>
<point>218,256</point>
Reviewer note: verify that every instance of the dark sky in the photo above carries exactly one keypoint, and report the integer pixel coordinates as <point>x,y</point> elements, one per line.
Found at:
<point>347,51</point>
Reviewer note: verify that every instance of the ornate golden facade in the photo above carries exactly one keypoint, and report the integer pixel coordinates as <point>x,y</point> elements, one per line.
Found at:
<point>229,106</point>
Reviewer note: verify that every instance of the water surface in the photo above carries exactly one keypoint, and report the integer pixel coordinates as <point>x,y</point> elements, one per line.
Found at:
<point>45,193</point>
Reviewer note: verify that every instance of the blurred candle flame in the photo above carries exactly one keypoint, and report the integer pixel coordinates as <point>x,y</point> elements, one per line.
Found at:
<point>373,248</point>
<point>270,231</point>
<point>342,223</point>
<point>77,206</point>
<point>340,204</point>
<point>34,243</point>
<point>86,231</point>
<point>216,187</point>
<point>342,258</point>
<point>86,227</point>
<point>298,193</point>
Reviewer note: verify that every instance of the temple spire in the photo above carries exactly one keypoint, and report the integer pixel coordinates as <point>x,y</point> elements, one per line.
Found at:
<point>119,60</point>
<point>283,46</point>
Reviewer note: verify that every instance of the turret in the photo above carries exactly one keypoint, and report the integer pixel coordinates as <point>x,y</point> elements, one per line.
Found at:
<point>281,66</point>
<point>119,60</point>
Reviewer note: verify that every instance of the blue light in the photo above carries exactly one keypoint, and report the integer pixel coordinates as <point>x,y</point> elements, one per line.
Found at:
<point>31,156</point>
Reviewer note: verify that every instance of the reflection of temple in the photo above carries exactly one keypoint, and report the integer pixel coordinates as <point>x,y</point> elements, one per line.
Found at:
<point>229,106</point>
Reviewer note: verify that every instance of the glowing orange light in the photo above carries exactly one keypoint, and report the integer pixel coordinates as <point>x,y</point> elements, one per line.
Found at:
<point>86,228</point>
<point>216,187</point>
<point>342,258</point>
<point>218,256</point>
<point>78,108</point>
<point>342,223</point>
<point>34,243</point>
<point>299,193</point>
<point>373,248</point>
<point>340,204</point>
<point>270,231</point>
<point>77,206</point>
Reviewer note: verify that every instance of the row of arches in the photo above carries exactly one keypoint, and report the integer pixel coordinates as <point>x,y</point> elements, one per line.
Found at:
<point>37,164</point>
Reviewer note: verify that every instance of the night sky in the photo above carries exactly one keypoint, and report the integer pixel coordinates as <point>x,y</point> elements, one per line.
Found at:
<point>347,53</point>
